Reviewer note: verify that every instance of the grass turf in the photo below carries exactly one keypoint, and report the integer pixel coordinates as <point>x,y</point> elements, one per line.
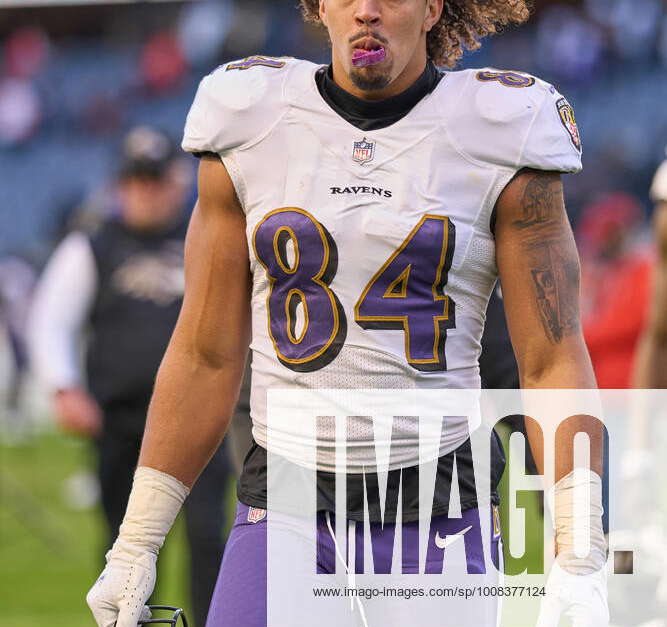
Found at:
<point>50,554</point>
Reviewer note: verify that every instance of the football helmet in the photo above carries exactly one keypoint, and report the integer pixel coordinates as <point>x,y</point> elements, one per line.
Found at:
<point>173,620</point>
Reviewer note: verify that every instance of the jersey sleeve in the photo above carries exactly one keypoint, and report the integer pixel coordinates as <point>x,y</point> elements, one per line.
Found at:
<point>235,105</point>
<point>553,141</point>
<point>515,121</point>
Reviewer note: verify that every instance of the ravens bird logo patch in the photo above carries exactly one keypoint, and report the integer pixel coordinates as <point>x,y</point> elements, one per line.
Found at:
<point>566,113</point>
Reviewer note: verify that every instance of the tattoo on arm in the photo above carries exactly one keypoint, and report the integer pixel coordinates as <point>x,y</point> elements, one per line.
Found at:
<point>553,278</point>
<point>541,196</point>
<point>551,256</point>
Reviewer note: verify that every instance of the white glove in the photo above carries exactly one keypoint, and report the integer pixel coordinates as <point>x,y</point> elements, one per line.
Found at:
<point>119,595</point>
<point>577,586</point>
<point>581,598</point>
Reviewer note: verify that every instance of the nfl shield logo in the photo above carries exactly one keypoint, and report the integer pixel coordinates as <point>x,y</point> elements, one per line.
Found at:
<point>255,514</point>
<point>363,152</point>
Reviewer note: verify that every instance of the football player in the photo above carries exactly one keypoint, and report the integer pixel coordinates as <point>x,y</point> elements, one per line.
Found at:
<point>379,197</point>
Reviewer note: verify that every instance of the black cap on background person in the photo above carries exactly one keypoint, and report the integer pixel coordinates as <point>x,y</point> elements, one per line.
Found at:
<point>153,180</point>
<point>146,153</point>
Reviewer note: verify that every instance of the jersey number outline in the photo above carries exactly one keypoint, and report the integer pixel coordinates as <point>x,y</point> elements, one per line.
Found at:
<point>396,296</point>
<point>406,293</point>
<point>306,282</point>
<point>256,61</point>
<point>508,79</point>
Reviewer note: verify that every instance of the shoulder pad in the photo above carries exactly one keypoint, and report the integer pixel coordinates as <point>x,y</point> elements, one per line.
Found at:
<point>236,104</point>
<point>514,120</point>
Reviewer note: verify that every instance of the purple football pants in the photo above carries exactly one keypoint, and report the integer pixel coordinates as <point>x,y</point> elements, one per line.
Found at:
<point>240,597</point>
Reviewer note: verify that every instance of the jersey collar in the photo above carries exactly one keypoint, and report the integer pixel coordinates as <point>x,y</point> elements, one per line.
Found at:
<point>370,115</point>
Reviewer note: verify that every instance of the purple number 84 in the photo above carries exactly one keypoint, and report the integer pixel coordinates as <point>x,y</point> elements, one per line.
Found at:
<point>406,293</point>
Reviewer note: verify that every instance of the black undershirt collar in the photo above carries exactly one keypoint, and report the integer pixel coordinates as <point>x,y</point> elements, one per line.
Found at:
<point>370,115</point>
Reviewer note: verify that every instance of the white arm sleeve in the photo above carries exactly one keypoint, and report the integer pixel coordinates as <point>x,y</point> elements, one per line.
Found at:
<point>62,300</point>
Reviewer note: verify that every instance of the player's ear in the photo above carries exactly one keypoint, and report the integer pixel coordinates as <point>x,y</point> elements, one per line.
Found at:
<point>434,10</point>
<point>323,12</point>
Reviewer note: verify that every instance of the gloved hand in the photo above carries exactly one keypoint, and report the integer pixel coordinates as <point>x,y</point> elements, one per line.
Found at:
<point>577,586</point>
<point>119,595</point>
<point>581,598</point>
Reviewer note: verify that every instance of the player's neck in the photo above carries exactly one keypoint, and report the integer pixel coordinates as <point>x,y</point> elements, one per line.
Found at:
<point>369,115</point>
<point>401,83</point>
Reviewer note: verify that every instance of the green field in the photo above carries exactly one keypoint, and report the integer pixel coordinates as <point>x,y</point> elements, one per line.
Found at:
<point>50,553</point>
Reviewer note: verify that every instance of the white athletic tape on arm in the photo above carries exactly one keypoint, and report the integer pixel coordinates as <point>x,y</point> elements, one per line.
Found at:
<point>576,508</point>
<point>155,501</point>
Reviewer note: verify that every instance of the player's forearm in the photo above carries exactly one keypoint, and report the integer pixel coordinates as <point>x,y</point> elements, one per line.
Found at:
<point>189,413</point>
<point>566,366</point>
<point>570,370</point>
<point>573,479</point>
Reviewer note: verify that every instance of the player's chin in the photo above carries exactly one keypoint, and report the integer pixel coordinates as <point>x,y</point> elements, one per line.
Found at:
<point>373,78</point>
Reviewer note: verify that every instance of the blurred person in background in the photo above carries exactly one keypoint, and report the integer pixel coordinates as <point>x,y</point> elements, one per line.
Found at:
<point>616,277</point>
<point>124,286</point>
<point>615,288</point>
<point>642,465</point>
<point>651,365</point>
<point>650,369</point>
<point>17,281</point>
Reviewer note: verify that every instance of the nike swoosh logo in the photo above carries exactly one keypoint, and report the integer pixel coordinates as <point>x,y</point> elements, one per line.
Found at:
<point>443,543</point>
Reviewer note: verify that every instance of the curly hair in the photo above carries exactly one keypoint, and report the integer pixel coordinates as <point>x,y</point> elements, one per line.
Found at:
<point>461,27</point>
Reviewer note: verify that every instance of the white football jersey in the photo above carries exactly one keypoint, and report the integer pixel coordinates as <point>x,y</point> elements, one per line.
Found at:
<point>371,251</point>
<point>659,186</point>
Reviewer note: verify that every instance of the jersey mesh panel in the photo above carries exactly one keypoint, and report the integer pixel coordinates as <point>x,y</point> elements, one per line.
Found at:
<point>472,294</point>
<point>360,368</point>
